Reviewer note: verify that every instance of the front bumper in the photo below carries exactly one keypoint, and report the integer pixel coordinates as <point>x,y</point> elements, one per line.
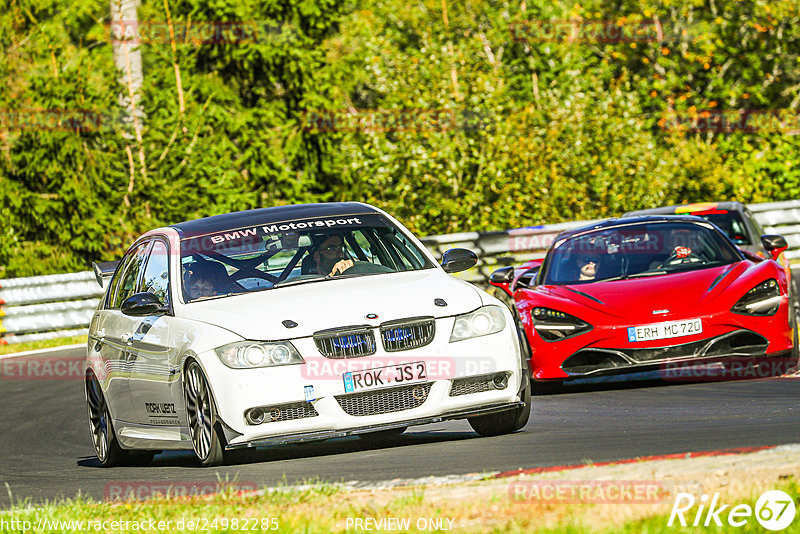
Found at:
<point>330,410</point>
<point>603,361</point>
<point>330,434</point>
<point>725,335</point>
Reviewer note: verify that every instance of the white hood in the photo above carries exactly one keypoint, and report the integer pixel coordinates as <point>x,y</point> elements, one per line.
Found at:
<point>336,303</point>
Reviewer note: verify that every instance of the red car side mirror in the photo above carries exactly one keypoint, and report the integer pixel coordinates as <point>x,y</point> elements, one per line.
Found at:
<point>502,278</point>
<point>775,244</point>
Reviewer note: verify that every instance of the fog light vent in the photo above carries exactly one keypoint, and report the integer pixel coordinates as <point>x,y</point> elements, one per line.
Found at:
<point>280,412</point>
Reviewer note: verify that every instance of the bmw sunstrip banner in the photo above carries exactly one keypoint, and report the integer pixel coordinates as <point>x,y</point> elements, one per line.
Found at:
<point>263,231</point>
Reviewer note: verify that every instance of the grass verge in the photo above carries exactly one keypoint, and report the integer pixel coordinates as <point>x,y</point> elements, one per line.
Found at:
<point>327,508</point>
<point>41,344</point>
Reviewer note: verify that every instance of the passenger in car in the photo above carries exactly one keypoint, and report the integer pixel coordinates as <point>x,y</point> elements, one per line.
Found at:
<point>206,279</point>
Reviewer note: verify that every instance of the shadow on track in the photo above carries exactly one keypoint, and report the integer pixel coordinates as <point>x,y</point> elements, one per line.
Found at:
<point>298,451</point>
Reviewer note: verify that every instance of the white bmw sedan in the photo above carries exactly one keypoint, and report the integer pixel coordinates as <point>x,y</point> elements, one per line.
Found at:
<point>290,324</point>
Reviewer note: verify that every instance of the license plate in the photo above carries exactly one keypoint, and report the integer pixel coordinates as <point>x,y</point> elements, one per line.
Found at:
<point>381,377</point>
<point>665,330</point>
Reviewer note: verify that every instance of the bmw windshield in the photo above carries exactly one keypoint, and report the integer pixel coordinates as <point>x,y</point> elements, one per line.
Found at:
<point>266,256</point>
<point>637,250</point>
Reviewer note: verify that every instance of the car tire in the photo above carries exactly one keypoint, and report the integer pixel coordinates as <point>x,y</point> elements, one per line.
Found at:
<point>101,428</point>
<point>206,435</point>
<point>508,421</point>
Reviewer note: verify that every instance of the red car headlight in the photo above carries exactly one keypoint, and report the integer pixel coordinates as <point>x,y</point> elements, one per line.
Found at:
<point>554,325</point>
<point>764,299</point>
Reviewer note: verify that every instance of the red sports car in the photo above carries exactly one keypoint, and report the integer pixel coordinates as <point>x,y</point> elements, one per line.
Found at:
<point>646,293</point>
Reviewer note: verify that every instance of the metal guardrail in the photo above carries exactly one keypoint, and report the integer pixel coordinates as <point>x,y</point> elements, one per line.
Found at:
<point>43,307</point>
<point>500,249</point>
<point>60,305</point>
<point>781,218</point>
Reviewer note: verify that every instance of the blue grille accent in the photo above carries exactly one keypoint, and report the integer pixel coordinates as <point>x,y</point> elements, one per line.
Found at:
<point>407,335</point>
<point>346,344</point>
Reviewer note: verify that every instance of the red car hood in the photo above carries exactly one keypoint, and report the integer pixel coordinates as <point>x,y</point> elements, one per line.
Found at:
<point>680,293</point>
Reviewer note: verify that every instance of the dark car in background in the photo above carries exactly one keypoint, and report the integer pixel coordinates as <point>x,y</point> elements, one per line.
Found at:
<point>733,218</point>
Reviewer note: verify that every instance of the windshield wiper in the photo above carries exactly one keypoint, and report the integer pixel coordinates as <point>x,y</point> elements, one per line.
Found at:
<point>686,267</point>
<point>620,277</point>
<point>290,282</point>
<point>344,275</point>
<point>628,276</point>
<point>646,273</point>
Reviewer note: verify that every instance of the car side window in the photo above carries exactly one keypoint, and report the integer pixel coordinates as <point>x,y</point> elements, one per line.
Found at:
<point>759,231</point>
<point>129,276</point>
<point>156,275</point>
<point>112,290</point>
<point>408,252</point>
<point>364,251</point>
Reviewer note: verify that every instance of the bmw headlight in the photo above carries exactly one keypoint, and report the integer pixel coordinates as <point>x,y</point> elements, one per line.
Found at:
<point>554,325</point>
<point>250,354</point>
<point>482,322</point>
<point>764,299</point>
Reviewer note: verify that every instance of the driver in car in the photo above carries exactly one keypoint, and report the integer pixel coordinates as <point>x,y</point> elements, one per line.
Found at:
<point>329,256</point>
<point>588,268</point>
<point>206,279</point>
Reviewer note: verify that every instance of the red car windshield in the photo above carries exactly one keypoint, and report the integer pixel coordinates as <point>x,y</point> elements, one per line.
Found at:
<point>637,250</point>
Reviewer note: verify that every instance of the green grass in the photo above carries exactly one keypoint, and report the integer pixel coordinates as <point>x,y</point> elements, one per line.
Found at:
<point>325,508</point>
<point>42,344</point>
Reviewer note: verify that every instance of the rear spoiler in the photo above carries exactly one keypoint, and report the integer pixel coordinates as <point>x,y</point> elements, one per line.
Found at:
<point>104,270</point>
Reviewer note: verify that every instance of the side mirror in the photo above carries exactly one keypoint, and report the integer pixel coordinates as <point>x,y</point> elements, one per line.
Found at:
<point>458,259</point>
<point>142,304</point>
<point>502,278</point>
<point>527,279</point>
<point>104,270</point>
<point>775,244</point>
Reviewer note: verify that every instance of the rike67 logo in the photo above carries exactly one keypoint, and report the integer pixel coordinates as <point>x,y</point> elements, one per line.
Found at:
<point>774,510</point>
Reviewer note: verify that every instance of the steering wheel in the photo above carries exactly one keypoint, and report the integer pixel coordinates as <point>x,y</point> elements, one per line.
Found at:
<point>673,259</point>
<point>365,267</point>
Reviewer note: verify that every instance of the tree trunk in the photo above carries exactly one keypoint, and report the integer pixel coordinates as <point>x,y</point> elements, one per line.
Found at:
<point>128,59</point>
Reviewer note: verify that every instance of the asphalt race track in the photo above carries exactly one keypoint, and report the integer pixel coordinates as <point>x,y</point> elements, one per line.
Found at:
<point>46,450</point>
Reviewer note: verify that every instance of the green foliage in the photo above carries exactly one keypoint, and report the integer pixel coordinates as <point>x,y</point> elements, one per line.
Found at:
<point>469,119</point>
